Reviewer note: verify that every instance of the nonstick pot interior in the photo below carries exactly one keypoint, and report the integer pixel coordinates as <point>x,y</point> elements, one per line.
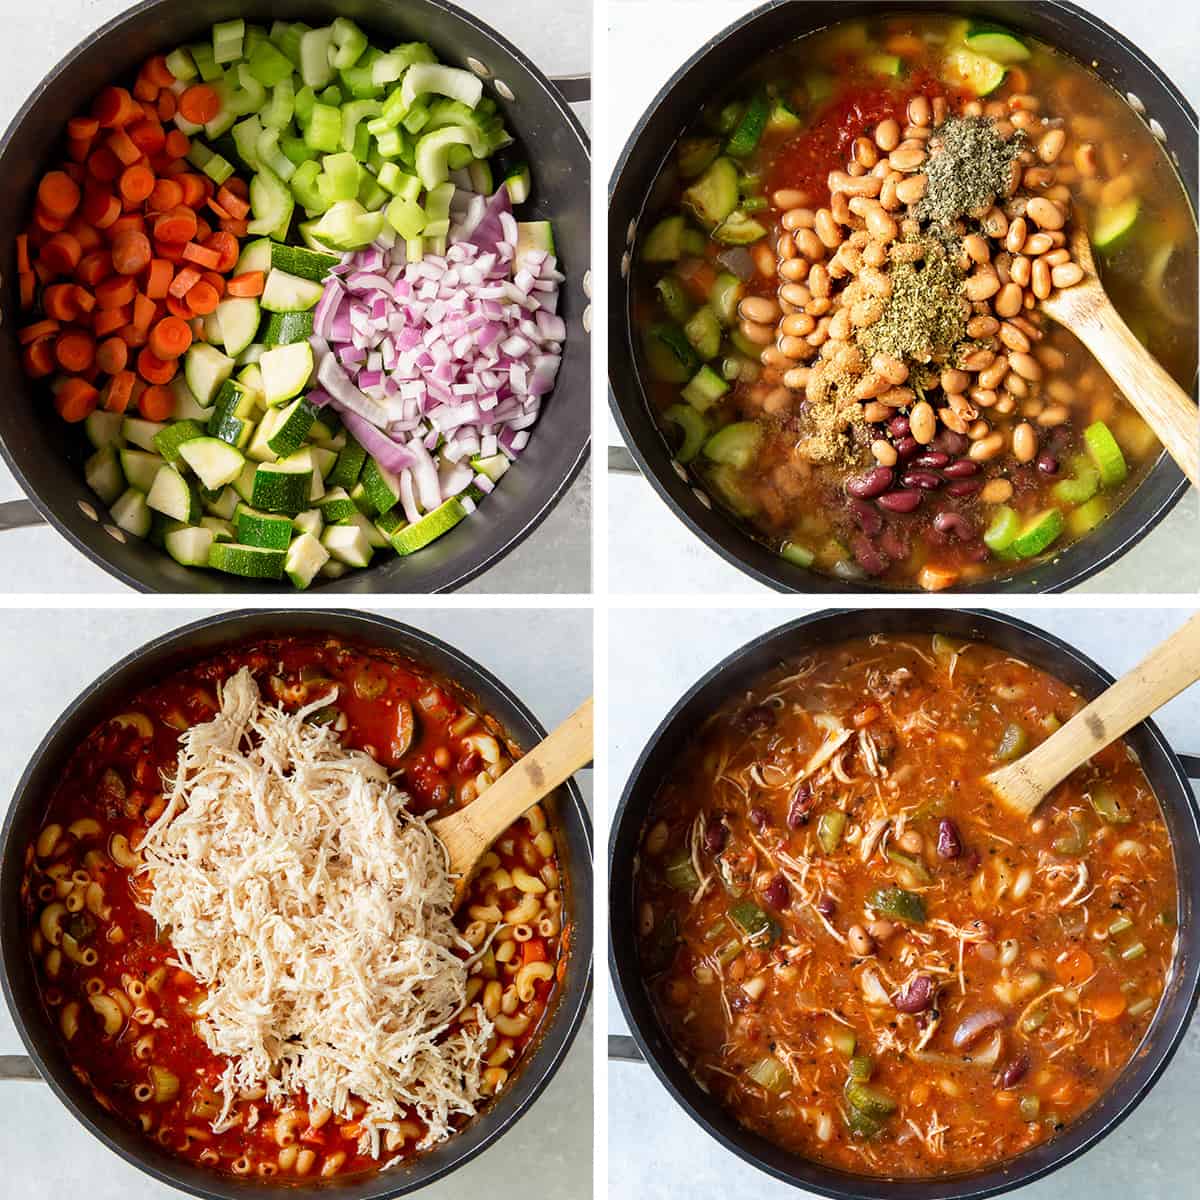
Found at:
<point>569,822</point>
<point>738,672</point>
<point>707,74</point>
<point>46,456</point>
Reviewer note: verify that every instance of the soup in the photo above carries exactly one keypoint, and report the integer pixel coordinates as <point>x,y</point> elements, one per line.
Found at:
<point>837,292</point>
<point>133,1018</point>
<point>861,954</point>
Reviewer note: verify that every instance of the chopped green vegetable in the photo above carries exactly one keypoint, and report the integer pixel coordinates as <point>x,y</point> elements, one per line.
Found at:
<point>831,824</point>
<point>757,926</point>
<point>679,872</point>
<point>769,1073</point>
<point>1106,454</point>
<point>861,1067</point>
<point>1107,803</point>
<point>1014,741</point>
<point>896,902</point>
<point>870,1101</point>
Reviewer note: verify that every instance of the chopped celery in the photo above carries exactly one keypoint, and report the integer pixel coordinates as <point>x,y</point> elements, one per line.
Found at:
<point>324,128</point>
<point>272,157</point>
<point>181,64</point>
<point>353,114</point>
<point>339,177</point>
<point>269,65</point>
<point>679,872</point>
<point>349,42</point>
<point>348,226</point>
<point>315,68</point>
<point>227,40</point>
<point>753,922</point>
<point>1014,741</point>
<point>895,902</point>
<point>861,1067</point>
<point>769,1073</point>
<point>422,78</point>
<point>278,113</point>
<point>399,182</point>
<point>831,824</point>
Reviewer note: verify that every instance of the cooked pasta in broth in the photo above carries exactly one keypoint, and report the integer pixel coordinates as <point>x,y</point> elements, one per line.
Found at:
<point>859,952</point>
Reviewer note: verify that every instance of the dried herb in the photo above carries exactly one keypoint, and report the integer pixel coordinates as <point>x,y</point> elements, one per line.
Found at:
<point>969,165</point>
<point>925,316</point>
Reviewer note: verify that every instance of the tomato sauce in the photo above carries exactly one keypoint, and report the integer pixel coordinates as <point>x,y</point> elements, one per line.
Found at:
<point>91,939</point>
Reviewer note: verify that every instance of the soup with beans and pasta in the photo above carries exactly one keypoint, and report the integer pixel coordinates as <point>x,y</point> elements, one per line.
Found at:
<point>142,1027</point>
<point>837,294</point>
<point>859,952</point>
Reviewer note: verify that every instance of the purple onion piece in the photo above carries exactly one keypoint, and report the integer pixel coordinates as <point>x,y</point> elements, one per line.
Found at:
<point>949,844</point>
<point>972,1028</point>
<point>715,837</point>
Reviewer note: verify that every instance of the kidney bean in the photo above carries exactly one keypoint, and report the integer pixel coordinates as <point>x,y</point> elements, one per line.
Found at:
<point>932,459</point>
<point>868,554</point>
<point>874,483</point>
<point>868,518</point>
<point>906,447</point>
<point>1015,1071</point>
<point>915,998</point>
<point>759,817</point>
<point>927,481</point>
<point>963,487</point>
<point>977,552</point>
<point>894,544</point>
<point>777,893</point>
<point>470,762</point>
<point>951,443</point>
<point>1047,464</point>
<point>954,523</point>
<point>801,805</point>
<point>825,906</point>
<point>898,427</point>
<point>900,502</point>
<point>961,468</point>
<point>949,844</point>
<point>714,837</point>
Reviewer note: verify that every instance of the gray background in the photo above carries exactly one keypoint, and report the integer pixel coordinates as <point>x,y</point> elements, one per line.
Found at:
<point>557,556</point>
<point>48,657</point>
<point>650,549</point>
<point>656,1152</point>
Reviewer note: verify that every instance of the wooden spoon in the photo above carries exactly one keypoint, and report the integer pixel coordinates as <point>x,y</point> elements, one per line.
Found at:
<point>1022,785</point>
<point>1087,312</point>
<point>469,833</point>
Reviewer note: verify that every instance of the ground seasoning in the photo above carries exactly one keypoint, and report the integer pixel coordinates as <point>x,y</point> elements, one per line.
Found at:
<point>832,428</point>
<point>969,165</point>
<point>924,318</point>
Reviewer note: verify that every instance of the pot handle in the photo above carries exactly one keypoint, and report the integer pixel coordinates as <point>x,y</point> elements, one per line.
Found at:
<point>1191,765</point>
<point>18,1067</point>
<point>575,89</point>
<point>19,514</point>
<point>622,1048</point>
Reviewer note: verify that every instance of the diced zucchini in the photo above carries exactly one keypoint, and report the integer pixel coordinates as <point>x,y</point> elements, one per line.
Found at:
<point>336,507</point>
<point>205,368</point>
<point>103,428</point>
<point>223,505</point>
<point>190,545</point>
<point>703,330</point>
<point>131,513</point>
<point>187,407</point>
<point>238,320</point>
<point>382,488</point>
<point>215,462</point>
<point>305,558</point>
<point>301,263</point>
<point>749,130</point>
<point>493,466</point>
<point>739,230</point>
<point>292,426</point>
<point>173,496</point>
<point>284,292</point>
<point>375,536</point>
<point>533,235</point>
<point>141,433</point>
<point>284,486</point>
<point>705,388</point>
<point>255,528</point>
<point>735,445</point>
<point>715,194</point>
<point>996,43</point>
<point>255,256</point>
<point>281,329</point>
<point>236,431</point>
<point>170,440</point>
<point>309,521</point>
<point>103,474</point>
<point>348,544</point>
<point>1113,221</point>
<point>694,427</point>
<point>1038,533</point>
<point>669,354</point>
<point>1106,454</point>
<point>286,371</point>
<point>252,562</point>
<point>964,68</point>
<point>139,468</point>
<point>663,242</point>
<point>222,530</point>
<point>441,520</point>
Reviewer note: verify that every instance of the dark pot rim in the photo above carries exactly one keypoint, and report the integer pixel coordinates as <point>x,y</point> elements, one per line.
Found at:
<point>732,543</point>
<point>841,1185</point>
<point>555,1040</point>
<point>144,11</point>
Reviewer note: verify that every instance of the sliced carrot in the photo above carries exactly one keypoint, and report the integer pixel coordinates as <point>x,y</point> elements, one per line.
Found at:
<point>38,358</point>
<point>101,208</point>
<point>136,184</point>
<point>171,251</point>
<point>133,336</point>
<point>238,186</point>
<point>194,191</point>
<point>94,267</point>
<point>115,397</point>
<point>115,107</point>
<point>116,291</point>
<point>157,403</point>
<point>214,280</point>
<point>178,225</point>
<point>232,203</point>
<point>226,247</point>
<point>75,351</point>
<point>153,369</point>
<point>1108,1006</point>
<point>167,194</point>
<point>78,149</point>
<point>202,256</point>
<point>109,320</point>
<point>39,329</point>
<point>58,194</point>
<point>75,172</point>
<point>178,144</point>
<point>27,288</point>
<point>62,253</point>
<point>87,236</point>
<point>59,302</point>
<point>143,312</point>
<point>131,252</point>
<point>184,281</point>
<point>177,306</point>
<point>533,950</point>
<point>203,298</point>
<point>112,355</point>
<point>145,89</point>
<point>83,127</point>
<point>157,71</point>
<point>1075,966</point>
<point>203,230</point>
<point>48,222</point>
<point>75,400</point>
<point>249,283</point>
<point>172,168</point>
<point>170,338</point>
<point>166,106</point>
<point>42,273</point>
<point>200,103</point>
<point>239,229</point>
<point>103,164</point>
<point>120,143</point>
<point>84,300</point>
<point>23,252</point>
<point>217,210</point>
<point>159,278</point>
<point>148,136</point>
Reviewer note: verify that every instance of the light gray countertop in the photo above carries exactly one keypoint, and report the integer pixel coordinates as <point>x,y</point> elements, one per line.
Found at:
<point>49,656</point>
<point>656,1152</point>
<point>650,549</point>
<point>556,557</point>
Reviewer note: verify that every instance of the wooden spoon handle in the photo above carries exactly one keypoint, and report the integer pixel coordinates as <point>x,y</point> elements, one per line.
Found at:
<point>468,833</point>
<point>1163,673</point>
<point>1163,404</point>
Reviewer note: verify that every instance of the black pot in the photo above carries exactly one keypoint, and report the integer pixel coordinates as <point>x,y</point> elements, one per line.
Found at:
<point>570,824</point>
<point>1167,775</point>
<point>1055,22</point>
<point>47,458</point>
